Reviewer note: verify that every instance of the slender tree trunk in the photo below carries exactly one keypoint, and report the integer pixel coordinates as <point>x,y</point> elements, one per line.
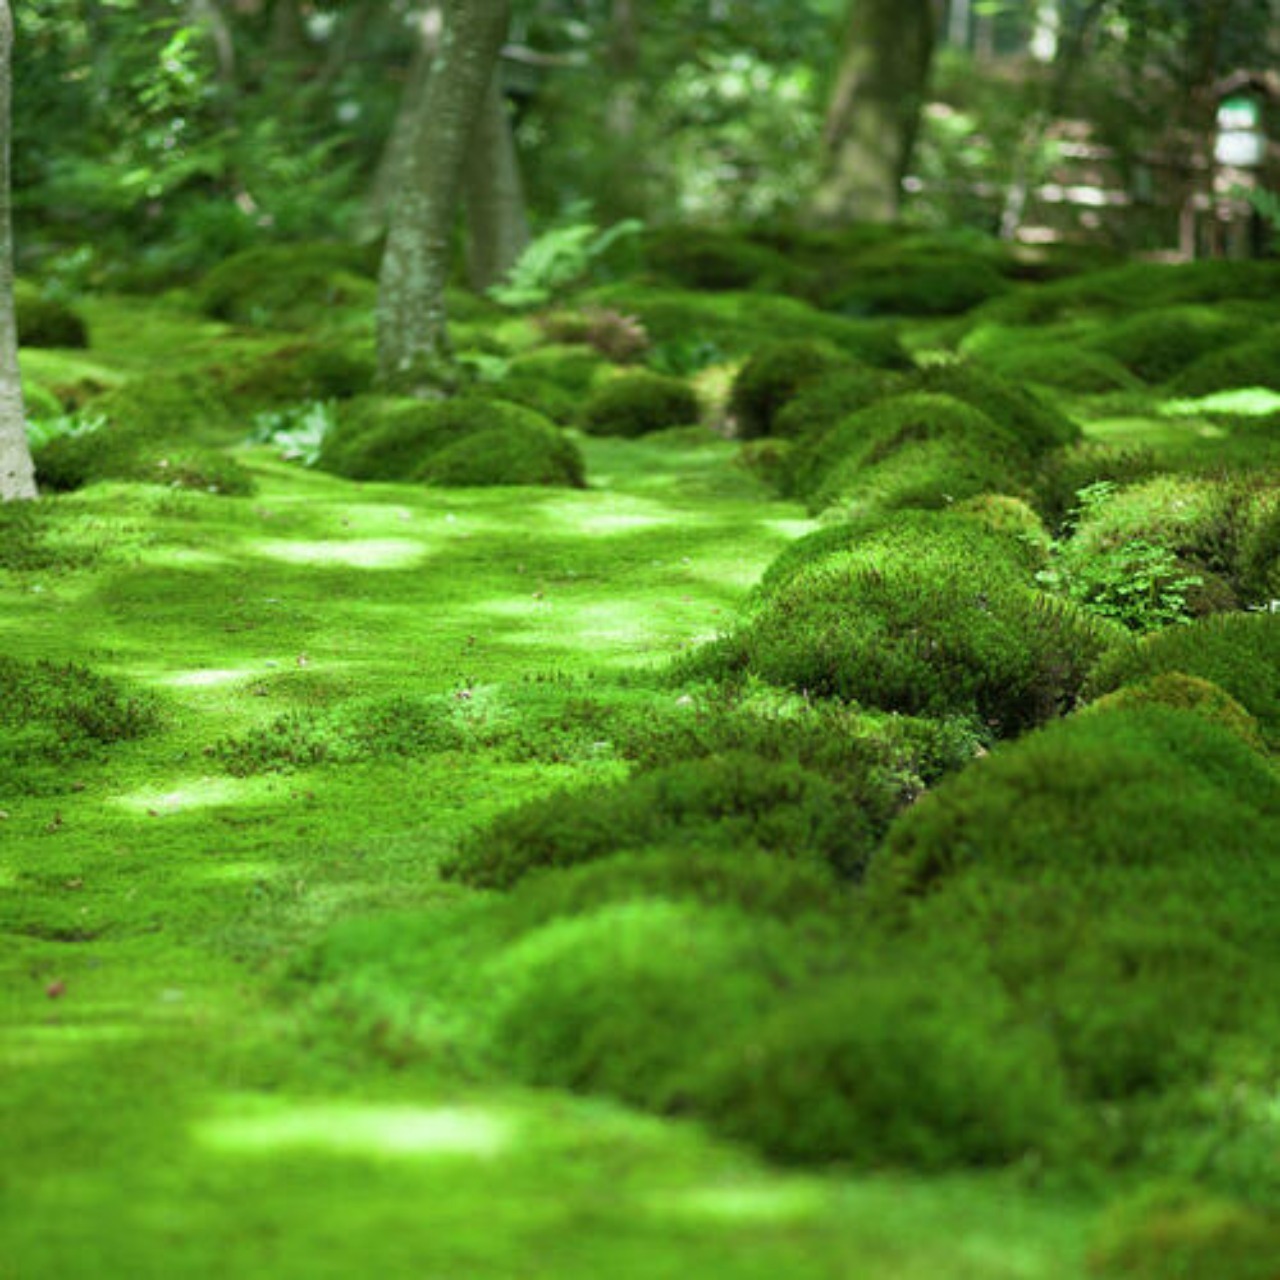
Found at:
<point>414,355</point>
<point>497,220</point>
<point>874,113</point>
<point>17,475</point>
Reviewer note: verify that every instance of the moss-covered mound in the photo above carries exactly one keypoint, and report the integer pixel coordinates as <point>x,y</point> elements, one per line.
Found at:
<point>706,258</point>
<point>916,450</point>
<point>912,280</point>
<point>822,402</point>
<point>772,376</point>
<point>1239,652</point>
<point>55,715</point>
<point>1072,369</point>
<point>1185,693</point>
<point>1156,345</point>
<point>924,614</point>
<point>465,441</point>
<point>302,370</point>
<point>296,286</point>
<point>1252,363</point>
<point>45,322</point>
<point>726,802</point>
<point>634,404</point>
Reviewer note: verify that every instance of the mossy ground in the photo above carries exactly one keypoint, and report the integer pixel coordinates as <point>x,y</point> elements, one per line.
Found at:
<point>172,1104</point>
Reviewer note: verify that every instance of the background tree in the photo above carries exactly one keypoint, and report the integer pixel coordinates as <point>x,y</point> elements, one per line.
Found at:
<point>17,476</point>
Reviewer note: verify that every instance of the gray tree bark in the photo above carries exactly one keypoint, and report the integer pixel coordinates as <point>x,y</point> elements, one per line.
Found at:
<point>17,475</point>
<point>874,113</point>
<point>414,355</point>
<point>497,219</point>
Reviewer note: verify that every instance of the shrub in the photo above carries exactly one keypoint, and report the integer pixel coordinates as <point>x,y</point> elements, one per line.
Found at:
<point>1238,652</point>
<point>1156,345</point>
<point>52,715</point>
<point>634,404</point>
<point>46,322</point>
<point>467,440</point>
<point>773,375</point>
<point>287,286</point>
<point>919,617</point>
<point>616,336</point>
<point>905,1063</point>
<point>1169,1230</point>
<point>626,1000</point>
<point>1254,363</point>
<point>718,803</point>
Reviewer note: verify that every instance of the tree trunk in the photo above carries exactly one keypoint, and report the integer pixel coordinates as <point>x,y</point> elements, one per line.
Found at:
<point>497,221</point>
<point>17,475</point>
<point>874,113</point>
<point>413,339</point>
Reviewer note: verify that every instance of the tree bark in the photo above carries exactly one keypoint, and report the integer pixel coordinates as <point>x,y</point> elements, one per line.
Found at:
<point>874,112</point>
<point>17,475</point>
<point>497,220</point>
<point>414,355</point>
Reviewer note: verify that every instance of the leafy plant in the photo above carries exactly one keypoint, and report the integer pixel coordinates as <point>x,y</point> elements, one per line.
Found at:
<point>40,431</point>
<point>297,431</point>
<point>558,258</point>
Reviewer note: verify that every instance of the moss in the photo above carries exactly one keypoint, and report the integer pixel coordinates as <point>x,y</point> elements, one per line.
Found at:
<point>294,286</point>
<point>1015,518</point>
<point>920,617</point>
<point>1156,345</point>
<point>616,335</point>
<point>1070,369</point>
<point>1185,693</point>
<point>771,377</point>
<point>468,440</point>
<point>306,370</point>
<point>45,322</point>
<point>918,1064</point>
<point>573,368</point>
<point>898,281</point>
<point>1254,363</point>
<point>39,401</point>
<point>820,403</point>
<point>634,404</point>
<point>1238,652</point>
<point>702,258</point>
<point>1064,473</point>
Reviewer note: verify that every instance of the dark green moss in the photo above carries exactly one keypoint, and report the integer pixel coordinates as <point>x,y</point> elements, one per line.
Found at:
<point>634,404</point>
<point>45,322</point>
<point>772,376</point>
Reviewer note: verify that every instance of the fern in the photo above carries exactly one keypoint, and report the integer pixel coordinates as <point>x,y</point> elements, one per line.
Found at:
<point>556,259</point>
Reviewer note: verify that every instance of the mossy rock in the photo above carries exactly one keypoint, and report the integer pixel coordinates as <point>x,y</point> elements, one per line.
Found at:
<point>1238,652</point>
<point>1253,363</point>
<point>1185,693</point>
<point>735,801</point>
<point>464,441</point>
<point>928,615</point>
<point>635,404</point>
<point>1156,345</point>
<point>295,286</point>
<point>55,715</point>
<point>772,376</point>
<point>916,1064</point>
<point>45,322</point>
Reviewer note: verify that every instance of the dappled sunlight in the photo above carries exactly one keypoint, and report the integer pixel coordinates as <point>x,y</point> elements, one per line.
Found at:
<point>368,553</point>
<point>192,793</point>
<point>352,1129</point>
<point>207,676</point>
<point>36,1045</point>
<point>775,1202</point>
<point>1247,402</point>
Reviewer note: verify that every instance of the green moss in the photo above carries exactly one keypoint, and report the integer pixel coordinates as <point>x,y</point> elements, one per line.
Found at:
<point>819,404</point>
<point>1238,652</point>
<point>572,368</point>
<point>1064,473</point>
<point>1015,519</point>
<point>1253,363</point>
<point>1185,693</point>
<point>39,401</point>
<point>771,377</point>
<point>1157,345</point>
<point>634,404</point>
<point>305,370</point>
<point>1069,369</point>
<point>898,280</point>
<point>532,453</point>
<point>45,322</point>
<point>702,258</point>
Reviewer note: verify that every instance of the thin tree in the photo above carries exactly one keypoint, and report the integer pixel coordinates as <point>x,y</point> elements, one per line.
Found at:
<point>17,475</point>
<point>414,355</point>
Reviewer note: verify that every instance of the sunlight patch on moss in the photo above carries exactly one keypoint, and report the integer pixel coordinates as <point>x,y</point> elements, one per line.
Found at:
<point>369,553</point>
<point>33,1046</point>
<point>783,1202</point>
<point>205,676</point>
<point>192,793</point>
<point>1247,402</point>
<point>349,1129</point>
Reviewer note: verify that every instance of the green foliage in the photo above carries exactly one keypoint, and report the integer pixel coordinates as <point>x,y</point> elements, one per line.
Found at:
<point>557,260</point>
<point>55,715</point>
<point>1170,1230</point>
<point>1239,652</point>
<point>1157,345</point>
<point>1014,518</point>
<point>633,404</point>
<point>626,999</point>
<point>918,1063</point>
<point>296,286</point>
<point>926,615</point>
<point>468,440</point>
<point>46,322</point>
<point>772,376</point>
<point>733,801</point>
<point>297,431</point>
<point>1063,474</point>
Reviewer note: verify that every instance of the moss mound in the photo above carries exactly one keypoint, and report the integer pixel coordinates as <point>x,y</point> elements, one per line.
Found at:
<point>926,615</point>
<point>54,715</point>
<point>918,1064</point>
<point>717,260</point>
<point>465,441</point>
<point>1238,652</point>
<point>46,322</point>
<point>305,370</point>
<point>1156,345</point>
<point>908,280</point>
<point>822,402</point>
<point>634,404</point>
<point>771,377</point>
<point>1064,473</point>
<point>727,802</point>
<point>1185,693</point>
<point>297,286</point>
<point>1072,369</point>
<point>1255,363</point>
